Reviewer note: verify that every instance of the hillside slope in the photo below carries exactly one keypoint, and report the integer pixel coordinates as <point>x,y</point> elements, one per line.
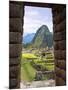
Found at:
<point>43,37</point>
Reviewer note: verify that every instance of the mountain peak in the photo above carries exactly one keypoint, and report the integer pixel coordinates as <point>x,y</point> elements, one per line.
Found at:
<point>44,27</point>
<point>43,37</point>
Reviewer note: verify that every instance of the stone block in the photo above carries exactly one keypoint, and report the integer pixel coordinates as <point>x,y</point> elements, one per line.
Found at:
<point>15,50</point>
<point>14,61</point>
<point>14,71</point>
<point>15,25</point>
<point>60,27</point>
<point>15,37</point>
<point>15,10</point>
<point>60,81</point>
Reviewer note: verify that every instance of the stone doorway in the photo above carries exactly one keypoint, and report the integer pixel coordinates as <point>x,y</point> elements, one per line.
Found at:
<point>16,14</point>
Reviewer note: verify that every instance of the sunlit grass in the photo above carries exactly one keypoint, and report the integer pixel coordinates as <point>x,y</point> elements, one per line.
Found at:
<point>50,67</point>
<point>28,72</point>
<point>29,55</point>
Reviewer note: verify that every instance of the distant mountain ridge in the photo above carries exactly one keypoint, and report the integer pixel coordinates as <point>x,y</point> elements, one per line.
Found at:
<point>28,38</point>
<point>43,37</point>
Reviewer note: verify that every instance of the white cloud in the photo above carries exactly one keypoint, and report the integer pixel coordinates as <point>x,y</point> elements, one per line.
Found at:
<point>31,13</point>
<point>34,18</point>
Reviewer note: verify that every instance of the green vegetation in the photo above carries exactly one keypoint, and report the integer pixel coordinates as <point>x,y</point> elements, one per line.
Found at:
<point>43,38</point>
<point>38,56</point>
<point>28,71</point>
<point>28,56</point>
<point>50,67</point>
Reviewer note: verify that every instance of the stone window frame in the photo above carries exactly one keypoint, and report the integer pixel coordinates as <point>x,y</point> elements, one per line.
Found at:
<point>16,13</point>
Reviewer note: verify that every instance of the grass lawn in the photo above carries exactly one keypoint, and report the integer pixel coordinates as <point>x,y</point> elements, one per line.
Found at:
<point>28,56</point>
<point>28,71</point>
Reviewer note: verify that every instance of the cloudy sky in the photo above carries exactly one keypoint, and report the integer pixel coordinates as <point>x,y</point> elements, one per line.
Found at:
<point>35,17</point>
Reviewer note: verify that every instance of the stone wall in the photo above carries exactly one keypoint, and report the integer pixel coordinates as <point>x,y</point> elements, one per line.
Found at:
<point>16,13</point>
<point>15,42</point>
<point>59,24</point>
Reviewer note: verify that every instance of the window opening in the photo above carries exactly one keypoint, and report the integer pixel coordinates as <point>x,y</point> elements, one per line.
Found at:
<point>37,62</point>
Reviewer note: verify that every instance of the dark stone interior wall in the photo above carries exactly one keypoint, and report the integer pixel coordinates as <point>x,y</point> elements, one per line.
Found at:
<point>15,43</point>
<point>59,24</point>
<point>16,13</point>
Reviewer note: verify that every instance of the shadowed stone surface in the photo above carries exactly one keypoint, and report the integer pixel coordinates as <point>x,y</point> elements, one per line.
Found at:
<point>36,84</point>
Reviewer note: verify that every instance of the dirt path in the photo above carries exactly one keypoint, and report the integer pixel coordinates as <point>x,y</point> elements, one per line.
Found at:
<point>36,84</point>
